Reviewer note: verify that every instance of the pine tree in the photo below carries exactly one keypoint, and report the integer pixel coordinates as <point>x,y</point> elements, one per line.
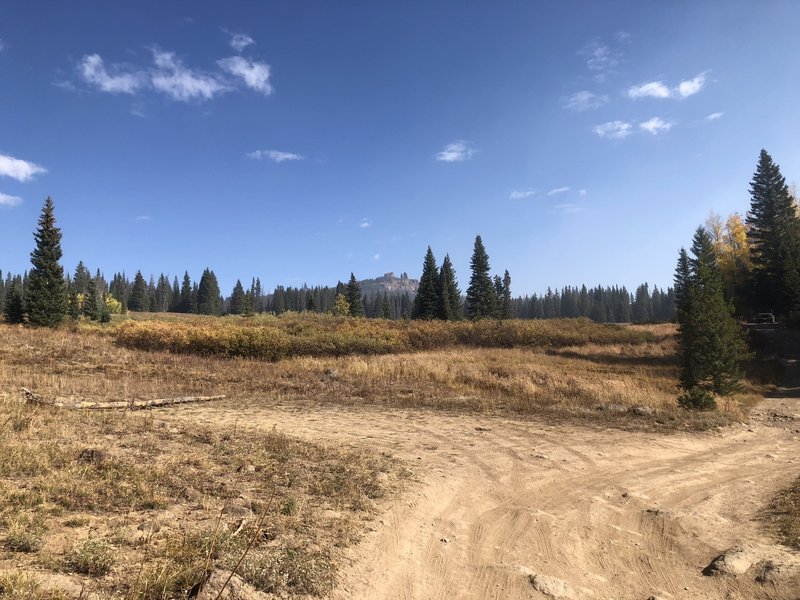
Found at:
<point>175,297</point>
<point>247,310</point>
<point>139,300</point>
<point>683,311</point>
<point>774,239</point>
<point>426,303</point>
<point>185,304</point>
<point>481,293</point>
<point>237,299</point>
<point>74,306</point>
<point>80,282</point>
<point>505,299</point>
<point>45,292</point>
<point>14,309</point>
<point>354,299</point>
<point>152,300</point>
<point>450,308</point>
<point>641,309</point>
<point>208,300</point>
<point>91,308</point>
<point>711,343</point>
<point>311,303</point>
<point>258,297</point>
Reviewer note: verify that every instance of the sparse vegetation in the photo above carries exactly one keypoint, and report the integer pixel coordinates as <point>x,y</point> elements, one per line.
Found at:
<point>91,557</point>
<point>786,512</point>
<point>148,508</point>
<point>24,534</point>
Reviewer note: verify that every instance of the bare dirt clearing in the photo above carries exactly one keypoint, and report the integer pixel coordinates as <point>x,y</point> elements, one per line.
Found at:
<point>613,514</point>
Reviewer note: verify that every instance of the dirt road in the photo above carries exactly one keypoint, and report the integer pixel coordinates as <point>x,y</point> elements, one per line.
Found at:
<point>610,513</point>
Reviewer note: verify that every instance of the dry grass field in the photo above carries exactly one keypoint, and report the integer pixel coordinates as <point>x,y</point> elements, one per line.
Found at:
<point>138,505</point>
<point>571,367</point>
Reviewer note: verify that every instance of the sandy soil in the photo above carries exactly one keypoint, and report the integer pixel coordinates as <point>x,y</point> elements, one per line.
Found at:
<point>609,513</point>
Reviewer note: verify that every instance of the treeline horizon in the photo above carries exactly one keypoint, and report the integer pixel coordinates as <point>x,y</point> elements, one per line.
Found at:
<point>603,304</point>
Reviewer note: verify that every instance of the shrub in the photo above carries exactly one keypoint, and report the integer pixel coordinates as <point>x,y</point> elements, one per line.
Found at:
<point>91,557</point>
<point>301,571</point>
<point>24,535</point>
<point>698,398</point>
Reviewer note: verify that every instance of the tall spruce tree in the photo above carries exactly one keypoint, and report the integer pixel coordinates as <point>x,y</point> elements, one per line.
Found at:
<point>175,297</point>
<point>208,300</point>
<point>45,291</point>
<point>450,308</point>
<point>185,304</point>
<point>80,282</point>
<point>505,298</point>
<point>481,293</point>
<point>353,296</point>
<point>237,299</point>
<point>711,343</point>
<point>139,300</point>
<point>426,302</point>
<point>774,238</point>
<point>91,303</point>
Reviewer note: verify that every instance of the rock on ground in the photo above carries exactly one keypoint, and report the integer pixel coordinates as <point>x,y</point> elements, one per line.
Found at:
<point>735,561</point>
<point>236,589</point>
<point>550,586</point>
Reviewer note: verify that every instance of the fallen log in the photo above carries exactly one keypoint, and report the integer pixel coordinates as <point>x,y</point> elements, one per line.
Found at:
<point>33,398</point>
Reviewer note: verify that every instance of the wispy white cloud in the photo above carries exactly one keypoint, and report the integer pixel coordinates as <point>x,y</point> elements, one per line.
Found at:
<point>658,89</point>
<point>600,58</point>
<point>714,116</point>
<point>275,155</point>
<point>169,75</point>
<point>568,209</point>
<point>254,74</point>
<point>7,201</point>
<point>181,83</point>
<point>94,72</point>
<point>558,190</point>
<point>65,84</point>
<point>689,87</point>
<point>615,130</point>
<point>652,89</point>
<point>21,170</point>
<point>364,223</point>
<point>582,192</point>
<point>585,100</point>
<point>240,41</point>
<point>521,194</point>
<point>458,151</point>
<point>376,257</point>
<point>138,110</point>
<point>2,45</point>
<point>655,125</point>
<point>143,218</point>
<point>622,36</point>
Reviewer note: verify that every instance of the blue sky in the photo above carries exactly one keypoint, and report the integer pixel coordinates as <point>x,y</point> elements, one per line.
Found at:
<point>300,141</point>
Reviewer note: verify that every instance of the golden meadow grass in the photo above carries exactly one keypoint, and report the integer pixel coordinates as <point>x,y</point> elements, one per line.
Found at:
<point>291,335</point>
<point>562,368</point>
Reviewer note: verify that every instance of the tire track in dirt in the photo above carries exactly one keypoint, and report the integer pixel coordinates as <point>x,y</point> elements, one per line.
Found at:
<point>615,514</point>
